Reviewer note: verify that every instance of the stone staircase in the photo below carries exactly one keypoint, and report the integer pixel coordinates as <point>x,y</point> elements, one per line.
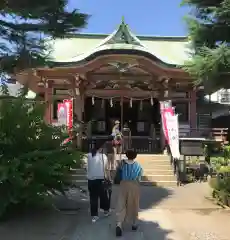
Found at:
<point>156,167</point>
<point>157,170</point>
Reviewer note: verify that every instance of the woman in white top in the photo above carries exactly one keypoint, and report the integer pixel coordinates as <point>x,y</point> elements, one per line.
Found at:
<point>96,172</point>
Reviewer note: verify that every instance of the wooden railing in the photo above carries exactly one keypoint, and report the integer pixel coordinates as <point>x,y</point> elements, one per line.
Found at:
<point>218,134</point>
<point>145,144</point>
<point>142,144</point>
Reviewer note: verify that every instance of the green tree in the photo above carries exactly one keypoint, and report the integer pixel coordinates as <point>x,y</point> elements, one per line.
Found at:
<point>24,24</point>
<point>209,31</point>
<point>33,166</point>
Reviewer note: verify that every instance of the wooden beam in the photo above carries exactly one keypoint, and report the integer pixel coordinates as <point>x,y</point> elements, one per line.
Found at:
<point>125,74</point>
<point>128,93</point>
<point>117,77</point>
<point>117,93</point>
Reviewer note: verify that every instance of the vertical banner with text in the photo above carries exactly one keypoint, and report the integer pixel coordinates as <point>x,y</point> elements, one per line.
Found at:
<point>173,135</point>
<point>69,110</point>
<point>166,110</point>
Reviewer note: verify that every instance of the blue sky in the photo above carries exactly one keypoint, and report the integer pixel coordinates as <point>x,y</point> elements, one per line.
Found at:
<point>145,17</point>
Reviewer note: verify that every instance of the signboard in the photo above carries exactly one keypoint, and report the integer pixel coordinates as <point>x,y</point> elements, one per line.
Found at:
<point>62,114</point>
<point>191,147</point>
<point>173,135</point>
<point>69,113</point>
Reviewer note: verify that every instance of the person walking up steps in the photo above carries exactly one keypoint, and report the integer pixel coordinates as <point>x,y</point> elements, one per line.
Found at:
<point>128,198</point>
<point>117,144</point>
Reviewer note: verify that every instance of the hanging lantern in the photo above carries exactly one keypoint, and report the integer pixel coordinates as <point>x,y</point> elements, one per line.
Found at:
<point>93,101</point>
<point>102,103</point>
<point>131,102</point>
<point>141,105</point>
<point>111,102</point>
<point>151,101</point>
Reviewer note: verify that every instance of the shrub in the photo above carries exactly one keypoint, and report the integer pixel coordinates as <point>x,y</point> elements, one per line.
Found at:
<point>226,152</point>
<point>33,166</point>
<point>217,162</point>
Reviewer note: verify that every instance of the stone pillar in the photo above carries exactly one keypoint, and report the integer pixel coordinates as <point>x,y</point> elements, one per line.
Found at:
<point>48,101</point>
<point>193,109</point>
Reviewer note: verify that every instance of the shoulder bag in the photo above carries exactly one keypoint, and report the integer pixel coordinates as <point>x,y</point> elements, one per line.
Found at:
<point>118,175</point>
<point>107,184</point>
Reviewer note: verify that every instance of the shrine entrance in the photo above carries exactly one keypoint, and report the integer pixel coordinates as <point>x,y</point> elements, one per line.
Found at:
<point>142,117</point>
<point>122,111</point>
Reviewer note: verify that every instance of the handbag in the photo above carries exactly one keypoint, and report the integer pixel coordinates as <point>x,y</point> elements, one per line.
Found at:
<point>116,142</point>
<point>118,175</point>
<point>107,184</point>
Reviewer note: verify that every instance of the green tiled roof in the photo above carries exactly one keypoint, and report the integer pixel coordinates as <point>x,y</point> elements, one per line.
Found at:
<point>169,50</point>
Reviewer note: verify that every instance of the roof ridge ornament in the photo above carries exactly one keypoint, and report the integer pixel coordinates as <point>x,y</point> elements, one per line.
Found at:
<point>122,20</point>
<point>122,35</point>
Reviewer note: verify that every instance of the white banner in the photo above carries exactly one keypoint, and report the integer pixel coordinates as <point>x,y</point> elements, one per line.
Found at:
<point>166,109</point>
<point>173,134</point>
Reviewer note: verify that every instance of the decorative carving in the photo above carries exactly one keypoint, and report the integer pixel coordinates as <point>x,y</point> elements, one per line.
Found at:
<point>123,67</point>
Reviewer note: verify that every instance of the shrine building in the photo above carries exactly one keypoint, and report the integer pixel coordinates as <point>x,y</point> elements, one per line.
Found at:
<point>120,76</point>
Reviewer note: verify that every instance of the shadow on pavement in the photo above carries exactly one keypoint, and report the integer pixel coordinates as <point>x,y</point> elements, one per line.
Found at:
<point>76,200</point>
<point>104,229</point>
<point>152,230</point>
<point>53,225</point>
<point>150,196</point>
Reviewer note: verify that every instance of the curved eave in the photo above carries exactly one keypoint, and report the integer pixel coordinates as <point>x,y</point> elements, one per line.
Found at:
<point>131,50</point>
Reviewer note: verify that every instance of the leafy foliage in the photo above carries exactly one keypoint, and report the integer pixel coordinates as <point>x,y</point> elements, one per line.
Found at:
<point>221,183</point>
<point>209,27</point>
<point>32,163</point>
<point>24,25</point>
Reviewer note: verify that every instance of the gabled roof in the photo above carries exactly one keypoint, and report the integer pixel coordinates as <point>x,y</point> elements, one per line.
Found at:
<point>83,47</point>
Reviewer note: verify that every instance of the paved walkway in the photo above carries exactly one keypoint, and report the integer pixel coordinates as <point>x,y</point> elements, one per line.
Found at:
<point>166,214</point>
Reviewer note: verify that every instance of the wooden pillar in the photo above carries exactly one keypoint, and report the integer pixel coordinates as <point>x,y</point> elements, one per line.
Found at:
<point>48,100</point>
<point>193,109</point>
<point>162,137</point>
<point>79,100</point>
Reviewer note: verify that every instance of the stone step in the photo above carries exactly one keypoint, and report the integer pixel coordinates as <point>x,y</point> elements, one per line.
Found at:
<point>159,166</point>
<point>78,171</point>
<point>161,157</point>
<point>162,183</point>
<point>157,161</point>
<point>145,177</point>
<point>79,176</point>
<point>154,177</point>
<point>149,157</point>
<point>156,171</point>
<point>159,183</point>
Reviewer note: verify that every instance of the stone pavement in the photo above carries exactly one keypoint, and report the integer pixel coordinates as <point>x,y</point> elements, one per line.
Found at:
<point>166,214</point>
